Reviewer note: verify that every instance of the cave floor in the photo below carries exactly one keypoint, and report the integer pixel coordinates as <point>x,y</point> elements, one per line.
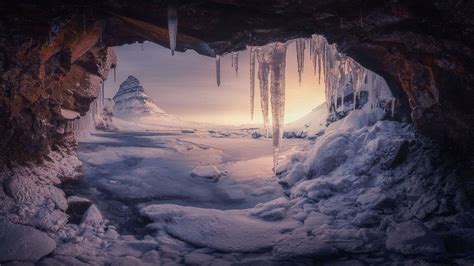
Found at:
<point>125,171</point>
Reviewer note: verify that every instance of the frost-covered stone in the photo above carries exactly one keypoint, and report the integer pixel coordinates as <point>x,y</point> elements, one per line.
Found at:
<point>206,172</point>
<point>413,237</point>
<point>23,243</point>
<point>298,246</point>
<point>197,259</point>
<point>331,151</point>
<point>92,217</point>
<point>152,257</point>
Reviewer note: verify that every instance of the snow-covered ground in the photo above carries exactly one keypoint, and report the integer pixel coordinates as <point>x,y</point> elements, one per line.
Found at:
<point>360,193</point>
<point>360,190</point>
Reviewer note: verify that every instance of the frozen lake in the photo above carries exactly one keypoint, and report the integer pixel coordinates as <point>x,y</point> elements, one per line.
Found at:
<point>126,170</point>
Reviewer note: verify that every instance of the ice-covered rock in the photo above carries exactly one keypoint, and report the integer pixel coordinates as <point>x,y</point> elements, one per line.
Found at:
<point>23,243</point>
<point>413,237</point>
<point>69,114</point>
<point>92,217</point>
<point>300,245</point>
<point>206,172</point>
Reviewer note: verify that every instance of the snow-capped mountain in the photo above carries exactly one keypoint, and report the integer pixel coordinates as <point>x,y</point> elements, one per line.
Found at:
<point>136,110</point>
<point>131,101</point>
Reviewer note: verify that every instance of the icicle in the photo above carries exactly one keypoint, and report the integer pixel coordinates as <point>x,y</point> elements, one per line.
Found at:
<point>235,62</point>
<point>300,47</point>
<point>115,74</point>
<point>263,73</point>
<point>142,47</point>
<point>172,27</point>
<point>252,81</point>
<point>277,92</point>
<point>218,70</point>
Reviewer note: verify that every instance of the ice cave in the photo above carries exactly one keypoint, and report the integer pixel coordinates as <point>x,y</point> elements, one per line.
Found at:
<point>219,132</point>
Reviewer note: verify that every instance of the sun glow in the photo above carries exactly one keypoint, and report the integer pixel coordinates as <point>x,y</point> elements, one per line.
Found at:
<point>184,84</point>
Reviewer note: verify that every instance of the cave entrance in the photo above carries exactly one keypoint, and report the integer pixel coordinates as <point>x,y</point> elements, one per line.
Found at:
<point>195,130</point>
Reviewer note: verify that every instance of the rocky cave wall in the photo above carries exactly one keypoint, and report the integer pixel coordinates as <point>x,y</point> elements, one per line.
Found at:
<point>54,54</point>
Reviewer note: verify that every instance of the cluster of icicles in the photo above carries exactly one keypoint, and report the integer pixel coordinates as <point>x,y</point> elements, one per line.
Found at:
<point>87,123</point>
<point>336,70</point>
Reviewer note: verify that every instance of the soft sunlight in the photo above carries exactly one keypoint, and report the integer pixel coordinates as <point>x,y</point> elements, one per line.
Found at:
<point>193,94</point>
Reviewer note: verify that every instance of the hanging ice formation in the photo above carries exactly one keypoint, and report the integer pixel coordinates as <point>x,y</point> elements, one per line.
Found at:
<point>344,76</point>
<point>172,27</point>
<point>263,71</point>
<point>252,82</point>
<point>218,70</point>
<point>115,74</point>
<point>235,62</point>
<point>300,47</point>
<point>84,125</point>
<point>272,60</point>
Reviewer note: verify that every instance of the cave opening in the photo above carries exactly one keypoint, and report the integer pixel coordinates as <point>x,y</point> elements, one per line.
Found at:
<point>228,132</point>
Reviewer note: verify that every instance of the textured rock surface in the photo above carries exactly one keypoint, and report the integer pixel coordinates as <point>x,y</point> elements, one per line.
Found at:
<point>23,243</point>
<point>413,238</point>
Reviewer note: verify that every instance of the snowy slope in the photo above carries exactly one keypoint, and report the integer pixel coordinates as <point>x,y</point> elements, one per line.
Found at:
<point>310,124</point>
<point>131,100</point>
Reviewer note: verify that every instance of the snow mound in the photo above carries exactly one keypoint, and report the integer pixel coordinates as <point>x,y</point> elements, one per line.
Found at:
<point>226,231</point>
<point>309,125</point>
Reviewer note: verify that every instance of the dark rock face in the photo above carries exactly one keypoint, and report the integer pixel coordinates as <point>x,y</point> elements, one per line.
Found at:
<point>422,48</point>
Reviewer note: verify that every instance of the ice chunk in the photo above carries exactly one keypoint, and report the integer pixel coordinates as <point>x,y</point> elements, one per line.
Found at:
<point>206,172</point>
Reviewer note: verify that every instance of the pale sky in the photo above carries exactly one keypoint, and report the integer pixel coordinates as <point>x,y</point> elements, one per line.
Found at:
<point>185,84</point>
